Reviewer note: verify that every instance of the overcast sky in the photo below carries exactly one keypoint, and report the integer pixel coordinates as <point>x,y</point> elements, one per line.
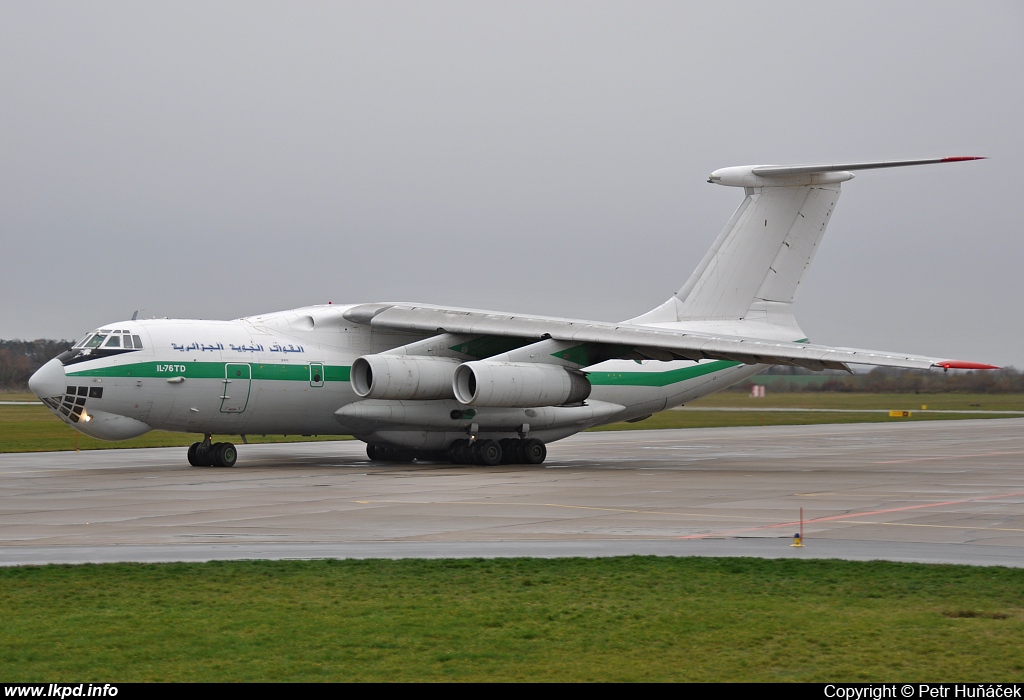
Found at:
<point>216,160</point>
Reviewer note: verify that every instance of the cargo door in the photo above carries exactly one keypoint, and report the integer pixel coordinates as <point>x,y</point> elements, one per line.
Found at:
<point>237,381</point>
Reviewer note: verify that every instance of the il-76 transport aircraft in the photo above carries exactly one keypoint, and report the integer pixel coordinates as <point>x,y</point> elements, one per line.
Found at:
<point>416,381</point>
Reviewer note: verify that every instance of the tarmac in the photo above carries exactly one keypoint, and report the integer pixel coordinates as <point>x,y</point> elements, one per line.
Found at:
<point>936,491</point>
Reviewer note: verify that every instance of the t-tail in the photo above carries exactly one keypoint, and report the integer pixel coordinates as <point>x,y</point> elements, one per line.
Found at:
<point>749,278</point>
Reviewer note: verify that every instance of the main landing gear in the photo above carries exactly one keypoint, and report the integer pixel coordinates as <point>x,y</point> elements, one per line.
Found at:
<point>492,452</point>
<point>207,454</point>
<point>382,453</point>
<point>486,452</point>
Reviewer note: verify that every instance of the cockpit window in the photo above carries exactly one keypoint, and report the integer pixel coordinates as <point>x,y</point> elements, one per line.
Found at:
<point>101,343</point>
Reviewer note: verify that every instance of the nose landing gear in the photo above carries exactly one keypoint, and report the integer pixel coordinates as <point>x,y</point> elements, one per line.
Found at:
<point>210,454</point>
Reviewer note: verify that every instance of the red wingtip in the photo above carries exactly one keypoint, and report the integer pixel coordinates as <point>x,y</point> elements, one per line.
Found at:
<point>957,159</point>
<point>957,364</point>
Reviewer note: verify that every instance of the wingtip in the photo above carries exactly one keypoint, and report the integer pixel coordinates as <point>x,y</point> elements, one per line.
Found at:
<point>959,364</point>
<point>957,159</point>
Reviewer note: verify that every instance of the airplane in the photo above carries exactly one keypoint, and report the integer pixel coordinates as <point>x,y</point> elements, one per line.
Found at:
<point>423,382</point>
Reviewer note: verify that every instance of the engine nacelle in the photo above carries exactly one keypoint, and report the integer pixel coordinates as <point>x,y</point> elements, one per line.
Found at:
<point>403,377</point>
<point>518,384</point>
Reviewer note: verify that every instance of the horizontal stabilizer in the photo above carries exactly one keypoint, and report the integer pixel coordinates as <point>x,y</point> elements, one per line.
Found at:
<point>815,174</point>
<point>769,170</point>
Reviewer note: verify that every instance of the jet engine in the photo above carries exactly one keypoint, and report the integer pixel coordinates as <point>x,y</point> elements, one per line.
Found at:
<point>403,377</point>
<point>518,384</point>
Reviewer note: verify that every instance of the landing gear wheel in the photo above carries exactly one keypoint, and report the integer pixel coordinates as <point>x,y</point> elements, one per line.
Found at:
<point>384,453</point>
<point>459,452</point>
<point>397,454</point>
<point>204,454</point>
<point>200,455</point>
<point>453,452</point>
<point>225,454</point>
<point>509,450</point>
<point>532,451</point>
<point>488,453</point>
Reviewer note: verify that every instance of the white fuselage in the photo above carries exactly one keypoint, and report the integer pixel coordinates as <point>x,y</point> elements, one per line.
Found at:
<point>288,373</point>
<point>468,385</point>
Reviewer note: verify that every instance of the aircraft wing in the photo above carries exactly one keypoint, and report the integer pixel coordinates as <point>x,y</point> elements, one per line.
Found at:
<point>647,341</point>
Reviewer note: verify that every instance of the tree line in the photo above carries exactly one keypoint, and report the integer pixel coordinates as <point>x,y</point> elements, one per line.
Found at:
<point>890,380</point>
<point>20,358</point>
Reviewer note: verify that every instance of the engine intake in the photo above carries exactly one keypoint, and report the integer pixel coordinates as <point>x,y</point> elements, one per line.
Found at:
<point>403,377</point>
<point>518,384</point>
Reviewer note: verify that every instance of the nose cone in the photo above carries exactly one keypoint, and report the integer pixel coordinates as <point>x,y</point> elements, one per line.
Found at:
<point>49,380</point>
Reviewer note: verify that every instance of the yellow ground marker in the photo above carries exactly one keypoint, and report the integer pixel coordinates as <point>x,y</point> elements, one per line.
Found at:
<point>798,538</point>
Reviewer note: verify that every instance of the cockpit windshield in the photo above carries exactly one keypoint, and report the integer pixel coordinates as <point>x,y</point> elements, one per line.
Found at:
<point>102,342</point>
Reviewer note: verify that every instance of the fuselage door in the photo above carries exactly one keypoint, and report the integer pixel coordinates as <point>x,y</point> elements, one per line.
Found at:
<point>316,373</point>
<point>237,380</point>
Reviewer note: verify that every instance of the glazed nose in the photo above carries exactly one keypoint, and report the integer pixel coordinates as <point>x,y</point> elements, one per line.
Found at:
<point>49,380</point>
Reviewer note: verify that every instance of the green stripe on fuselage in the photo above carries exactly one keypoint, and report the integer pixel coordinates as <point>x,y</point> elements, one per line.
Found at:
<point>672,376</point>
<point>213,370</point>
<point>336,373</point>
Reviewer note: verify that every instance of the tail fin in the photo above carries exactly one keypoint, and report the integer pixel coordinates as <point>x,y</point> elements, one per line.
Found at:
<point>754,269</point>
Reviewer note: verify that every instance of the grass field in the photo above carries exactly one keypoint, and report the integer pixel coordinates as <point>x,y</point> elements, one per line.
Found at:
<point>614,619</point>
<point>851,400</point>
<point>825,401</point>
<point>611,619</point>
<point>17,396</point>
<point>35,429</point>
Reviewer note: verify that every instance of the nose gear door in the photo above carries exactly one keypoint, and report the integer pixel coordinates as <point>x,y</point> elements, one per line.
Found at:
<point>237,381</point>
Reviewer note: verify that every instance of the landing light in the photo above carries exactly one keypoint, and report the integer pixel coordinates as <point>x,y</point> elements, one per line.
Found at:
<point>85,418</point>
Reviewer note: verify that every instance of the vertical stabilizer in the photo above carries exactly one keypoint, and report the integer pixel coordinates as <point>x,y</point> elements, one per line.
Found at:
<point>755,267</point>
<point>762,253</point>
